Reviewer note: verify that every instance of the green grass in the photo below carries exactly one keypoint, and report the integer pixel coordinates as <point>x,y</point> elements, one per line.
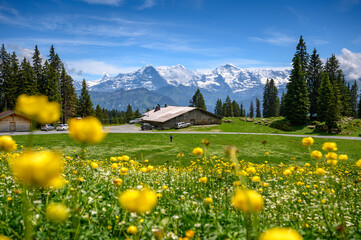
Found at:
<point>250,127</point>
<point>158,148</point>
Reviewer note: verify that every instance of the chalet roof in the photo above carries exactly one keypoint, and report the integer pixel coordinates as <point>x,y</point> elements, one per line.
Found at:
<point>6,113</point>
<point>170,112</point>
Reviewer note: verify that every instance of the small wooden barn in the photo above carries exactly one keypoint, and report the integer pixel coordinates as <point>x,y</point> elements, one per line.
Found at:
<point>167,117</point>
<point>13,122</point>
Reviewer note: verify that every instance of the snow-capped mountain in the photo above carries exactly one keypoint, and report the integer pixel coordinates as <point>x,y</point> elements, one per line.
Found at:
<point>224,78</point>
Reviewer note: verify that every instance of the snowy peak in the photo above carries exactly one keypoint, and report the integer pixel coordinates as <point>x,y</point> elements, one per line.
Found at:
<point>178,74</point>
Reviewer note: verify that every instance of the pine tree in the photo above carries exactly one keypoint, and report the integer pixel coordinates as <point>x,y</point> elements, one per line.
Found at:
<point>4,77</point>
<point>251,110</point>
<point>282,105</point>
<point>242,111</point>
<point>236,109</point>
<point>129,113</point>
<point>198,100</point>
<point>137,114</point>
<point>68,96</point>
<point>229,107</point>
<point>218,108</point>
<point>27,84</point>
<point>296,99</point>
<point>354,97</point>
<point>12,82</point>
<point>258,108</point>
<point>38,69</point>
<point>99,113</point>
<point>301,51</point>
<point>345,95</point>
<point>85,105</point>
<point>326,102</point>
<point>332,68</point>
<point>314,73</point>
<point>270,100</point>
<point>52,76</point>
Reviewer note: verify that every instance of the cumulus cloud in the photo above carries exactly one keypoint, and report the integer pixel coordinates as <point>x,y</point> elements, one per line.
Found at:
<point>350,64</point>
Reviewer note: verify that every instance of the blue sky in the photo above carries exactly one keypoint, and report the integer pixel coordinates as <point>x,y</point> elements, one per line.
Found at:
<point>97,36</point>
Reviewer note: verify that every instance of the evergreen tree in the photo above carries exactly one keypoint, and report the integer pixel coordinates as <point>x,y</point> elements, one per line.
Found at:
<point>251,110</point>
<point>282,105</point>
<point>27,83</point>
<point>353,95</point>
<point>52,76</point>
<point>332,68</point>
<point>270,100</point>
<point>99,113</point>
<point>242,111</point>
<point>198,100</point>
<point>229,107</point>
<point>12,82</point>
<point>85,105</point>
<point>137,114</point>
<point>314,73</point>
<point>345,95</point>
<point>68,96</point>
<point>258,108</point>
<point>129,113</point>
<point>296,99</point>
<point>38,69</point>
<point>236,109</point>
<point>301,51</point>
<point>224,110</point>
<point>326,102</point>
<point>218,108</point>
<point>4,71</point>
<point>147,110</point>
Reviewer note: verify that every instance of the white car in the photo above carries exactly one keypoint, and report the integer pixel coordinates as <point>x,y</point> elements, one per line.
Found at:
<point>62,127</point>
<point>182,125</point>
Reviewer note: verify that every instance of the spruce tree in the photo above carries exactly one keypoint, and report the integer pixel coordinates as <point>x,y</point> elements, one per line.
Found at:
<point>129,113</point>
<point>99,113</point>
<point>282,105</point>
<point>218,108</point>
<point>242,111</point>
<point>197,100</point>
<point>301,51</point>
<point>270,100</point>
<point>296,98</point>
<point>354,97</point>
<point>85,105</point>
<point>266,99</point>
<point>229,107</point>
<point>258,108</point>
<point>27,83</point>
<point>38,70</point>
<point>326,102</point>
<point>68,96</point>
<point>4,76</point>
<point>12,82</point>
<point>236,109</point>
<point>251,110</point>
<point>137,114</point>
<point>314,73</point>
<point>52,76</point>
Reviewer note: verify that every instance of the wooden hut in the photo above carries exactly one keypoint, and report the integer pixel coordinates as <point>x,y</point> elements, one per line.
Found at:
<point>13,122</point>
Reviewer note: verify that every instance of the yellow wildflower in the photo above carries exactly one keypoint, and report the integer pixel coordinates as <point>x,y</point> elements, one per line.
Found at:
<point>307,165</point>
<point>287,172</point>
<point>132,230</point>
<point>332,162</point>
<point>307,141</point>
<point>125,158</point>
<point>57,212</point>
<point>7,144</point>
<point>138,201</point>
<point>343,157</point>
<point>320,172</point>
<point>38,108</point>
<point>203,180</point>
<point>39,169</point>
<point>251,170</point>
<point>358,163</point>
<point>86,130</point>
<point>317,155</point>
<point>256,179</point>
<point>123,171</point>
<point>180,155</point>
<point>94,165</point>
<point>117,181</point>
<point>247,201</point>
<point>208,201</point>
<point>264,184</point>
<point>279,233</point>
<point>329,146</point>
<point>114,166</point>
<point>331,156</point>
<point>197,151</point>
<point>190,233</point>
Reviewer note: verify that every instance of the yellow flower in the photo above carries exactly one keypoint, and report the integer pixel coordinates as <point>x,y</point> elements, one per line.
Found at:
<point>144,170</point>
<point>180,155</point>
<point>39,169</point>
<point>358,163</point>
<point>343,157</point>
<point>165,187</point>
<point>123,171</point>
<point>287,172</point>
<point>150,168</point>
<point>264,184</point>
<point>307,165</point>
<point>332,162</point>
<point>197,151</point>
<point>125,158</point>
<point>138,201</point>
<point>251,170</point>
<point>94,165</point>
<point>114,166</point>
<point>38,108</point>
<point>57,212</point>
<point>132,230</point>
<point>331,156</point>
<point>7,144</point>
<point>190,233</point>
<point>117,181</point>
<point>279,233</point>
<point>317,155</point>
<point>307,141</point>
<point>208,201</point>
<point>80,179</point>
<point>203,180</point>
<point>236,183</point>
<point>320,172</point>
<point>2,237</point>
<point>247,201</point>
<point>329,146</point>
<point>86,130</point>
<point>256,179</point>
<point>266,153</point>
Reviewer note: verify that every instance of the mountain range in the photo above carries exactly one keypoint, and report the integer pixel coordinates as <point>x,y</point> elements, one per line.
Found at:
<point>175,85</point>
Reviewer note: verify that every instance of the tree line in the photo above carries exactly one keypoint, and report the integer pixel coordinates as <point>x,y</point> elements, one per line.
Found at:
<point>49,77</point>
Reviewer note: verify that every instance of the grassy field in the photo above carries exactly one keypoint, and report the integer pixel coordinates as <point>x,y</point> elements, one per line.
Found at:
<point>250,127</point>
<point>159,149</point>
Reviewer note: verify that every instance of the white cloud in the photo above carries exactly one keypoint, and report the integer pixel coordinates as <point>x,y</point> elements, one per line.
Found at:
<point>350,64</point>
<point>276,38</point>
<point>147,4</point>
<point>23,52</point>
<point>104,2</point>
<point>96,67</point>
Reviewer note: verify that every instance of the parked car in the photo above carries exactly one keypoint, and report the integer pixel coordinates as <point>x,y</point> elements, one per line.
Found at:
<point>147,126</point>
<point>135,121</point>
<point>47,127</point>
<point>182,125</point>
<point>62,127</point>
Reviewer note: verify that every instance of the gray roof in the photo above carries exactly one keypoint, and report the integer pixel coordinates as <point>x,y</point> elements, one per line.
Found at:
<point>166,113</point>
